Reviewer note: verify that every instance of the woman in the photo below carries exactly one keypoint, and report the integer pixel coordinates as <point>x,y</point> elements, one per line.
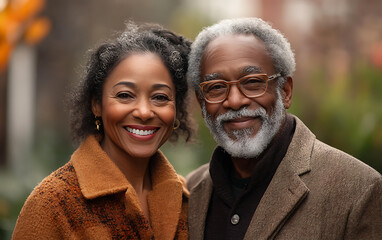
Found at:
<point>117,184</point>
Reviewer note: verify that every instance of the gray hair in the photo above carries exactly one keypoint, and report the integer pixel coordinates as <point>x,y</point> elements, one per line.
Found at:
<point>276,44</point>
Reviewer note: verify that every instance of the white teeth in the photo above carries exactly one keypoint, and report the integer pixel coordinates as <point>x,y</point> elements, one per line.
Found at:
<point>140,132</point>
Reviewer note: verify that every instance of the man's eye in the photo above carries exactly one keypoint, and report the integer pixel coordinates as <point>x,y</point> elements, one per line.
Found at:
<point>253,80</point>
<point>216,87</point>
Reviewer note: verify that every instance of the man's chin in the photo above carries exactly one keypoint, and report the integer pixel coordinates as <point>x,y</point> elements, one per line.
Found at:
<point>238,134</point>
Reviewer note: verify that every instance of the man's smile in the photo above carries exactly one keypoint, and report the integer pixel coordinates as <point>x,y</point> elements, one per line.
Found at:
<point>242,122</point>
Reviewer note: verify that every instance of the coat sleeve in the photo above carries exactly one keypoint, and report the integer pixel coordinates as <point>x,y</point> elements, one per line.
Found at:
<point>365,218</point>
<point>37,220</point>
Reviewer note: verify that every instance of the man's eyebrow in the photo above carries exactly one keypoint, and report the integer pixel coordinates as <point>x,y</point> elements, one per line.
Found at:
<point>252,69</point>
<point>212,76</point>
<point>245,70</point>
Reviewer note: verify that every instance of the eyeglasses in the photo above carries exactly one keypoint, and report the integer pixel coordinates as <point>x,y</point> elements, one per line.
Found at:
<point>255,85</point>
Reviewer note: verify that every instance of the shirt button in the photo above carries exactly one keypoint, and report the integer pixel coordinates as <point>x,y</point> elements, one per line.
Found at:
<point>235,219</point>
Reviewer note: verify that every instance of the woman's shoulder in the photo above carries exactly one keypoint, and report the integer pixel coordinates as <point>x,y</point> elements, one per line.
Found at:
<point>39,216</point>
<point>63,181</point>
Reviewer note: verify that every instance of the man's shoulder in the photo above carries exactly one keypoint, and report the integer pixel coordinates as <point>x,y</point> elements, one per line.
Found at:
<point>338,162</point>
<point>328,159</point>
<point>197,175</point>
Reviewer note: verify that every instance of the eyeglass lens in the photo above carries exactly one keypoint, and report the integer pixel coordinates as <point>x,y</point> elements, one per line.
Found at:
<point>250,86</point>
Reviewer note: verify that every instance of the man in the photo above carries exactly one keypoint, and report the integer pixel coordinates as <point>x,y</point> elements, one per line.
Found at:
<point>269,177</point>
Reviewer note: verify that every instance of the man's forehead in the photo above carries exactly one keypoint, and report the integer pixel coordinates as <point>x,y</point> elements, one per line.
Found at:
<point>230,44</point>
<point>241,54</point>
<point>243,71</point>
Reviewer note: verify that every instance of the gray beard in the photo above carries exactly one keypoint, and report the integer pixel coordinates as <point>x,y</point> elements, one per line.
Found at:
<point>245,145</point>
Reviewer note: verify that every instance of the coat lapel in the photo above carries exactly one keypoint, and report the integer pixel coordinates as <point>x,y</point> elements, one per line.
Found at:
<point>199,200</point>
<point>97,174</point>
<point>166,199</point>
<point>287,190</point>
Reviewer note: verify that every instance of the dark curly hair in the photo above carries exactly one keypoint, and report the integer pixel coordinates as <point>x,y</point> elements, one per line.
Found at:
<point>173,49</point>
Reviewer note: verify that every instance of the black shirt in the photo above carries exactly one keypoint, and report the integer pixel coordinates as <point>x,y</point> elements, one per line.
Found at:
<point>234,201</point>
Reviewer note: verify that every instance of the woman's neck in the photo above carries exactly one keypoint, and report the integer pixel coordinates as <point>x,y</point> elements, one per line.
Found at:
<point>136,171</point>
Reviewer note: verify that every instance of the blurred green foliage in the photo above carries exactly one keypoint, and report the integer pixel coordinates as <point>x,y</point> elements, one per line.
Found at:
<point>345,111</point>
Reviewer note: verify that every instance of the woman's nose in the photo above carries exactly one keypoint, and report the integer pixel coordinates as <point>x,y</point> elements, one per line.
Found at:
<point>143,110</point>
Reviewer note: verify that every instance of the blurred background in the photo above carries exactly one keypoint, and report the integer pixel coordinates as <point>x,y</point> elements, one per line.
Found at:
<point>43,49</point>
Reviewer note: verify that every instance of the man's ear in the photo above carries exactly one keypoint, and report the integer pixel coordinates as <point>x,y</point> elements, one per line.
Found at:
<point>287,92</point>
<point>96,107</point>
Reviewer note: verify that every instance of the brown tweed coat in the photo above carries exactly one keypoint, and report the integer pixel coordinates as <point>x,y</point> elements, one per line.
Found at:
<point>317,192</point>
<point>89,198</point>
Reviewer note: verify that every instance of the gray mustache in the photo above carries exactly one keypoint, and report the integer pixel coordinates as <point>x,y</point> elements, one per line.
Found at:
<point>231,115</point>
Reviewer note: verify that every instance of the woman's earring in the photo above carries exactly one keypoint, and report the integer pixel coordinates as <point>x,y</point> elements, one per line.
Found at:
<point>176,124</point>
<point>98,123</point>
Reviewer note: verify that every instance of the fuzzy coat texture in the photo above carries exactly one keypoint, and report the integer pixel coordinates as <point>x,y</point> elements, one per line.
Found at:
<point>90,198</point>
<point>317,192</point>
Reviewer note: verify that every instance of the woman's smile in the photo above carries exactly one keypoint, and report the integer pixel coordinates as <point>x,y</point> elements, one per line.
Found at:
<point>142,132</point>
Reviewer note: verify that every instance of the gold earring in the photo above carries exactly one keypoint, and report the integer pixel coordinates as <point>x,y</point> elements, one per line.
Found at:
<point>98,123</point>
<point>176,124</point>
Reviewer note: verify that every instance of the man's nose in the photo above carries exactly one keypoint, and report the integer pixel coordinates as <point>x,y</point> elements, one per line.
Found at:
<point>236,99</point>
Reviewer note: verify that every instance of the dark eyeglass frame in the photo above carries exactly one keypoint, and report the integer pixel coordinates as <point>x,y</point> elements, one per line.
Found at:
<point>229,83</point>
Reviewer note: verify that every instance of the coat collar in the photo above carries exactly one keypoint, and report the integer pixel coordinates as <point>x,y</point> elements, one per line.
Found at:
<point>286,190</point>
<point>99,176</point>
<point>198,203</point>
<point>166,198</point>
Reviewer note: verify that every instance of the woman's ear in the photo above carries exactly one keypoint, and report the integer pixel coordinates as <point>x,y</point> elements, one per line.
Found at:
<point>96,107</point>
<point>287,92</point>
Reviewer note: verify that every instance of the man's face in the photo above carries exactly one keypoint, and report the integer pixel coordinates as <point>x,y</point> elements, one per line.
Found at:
<point>242,126</point>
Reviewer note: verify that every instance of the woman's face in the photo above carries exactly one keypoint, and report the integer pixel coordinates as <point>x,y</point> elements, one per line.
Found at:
<point>138,107</point>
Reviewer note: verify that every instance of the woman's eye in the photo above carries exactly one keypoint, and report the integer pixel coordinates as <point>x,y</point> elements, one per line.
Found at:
<point>161,98</point>
<point>124,95</point>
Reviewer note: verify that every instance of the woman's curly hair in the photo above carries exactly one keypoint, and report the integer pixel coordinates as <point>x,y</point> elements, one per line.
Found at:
<point>173,49</point>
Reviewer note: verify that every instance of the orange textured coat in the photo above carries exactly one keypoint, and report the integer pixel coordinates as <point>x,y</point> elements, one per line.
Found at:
<point>89,198</point>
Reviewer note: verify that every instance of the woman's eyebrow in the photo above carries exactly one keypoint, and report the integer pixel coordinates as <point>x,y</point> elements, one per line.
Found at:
<point>133,85</point>
<point>160,85</point>
<point>124,83</point>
